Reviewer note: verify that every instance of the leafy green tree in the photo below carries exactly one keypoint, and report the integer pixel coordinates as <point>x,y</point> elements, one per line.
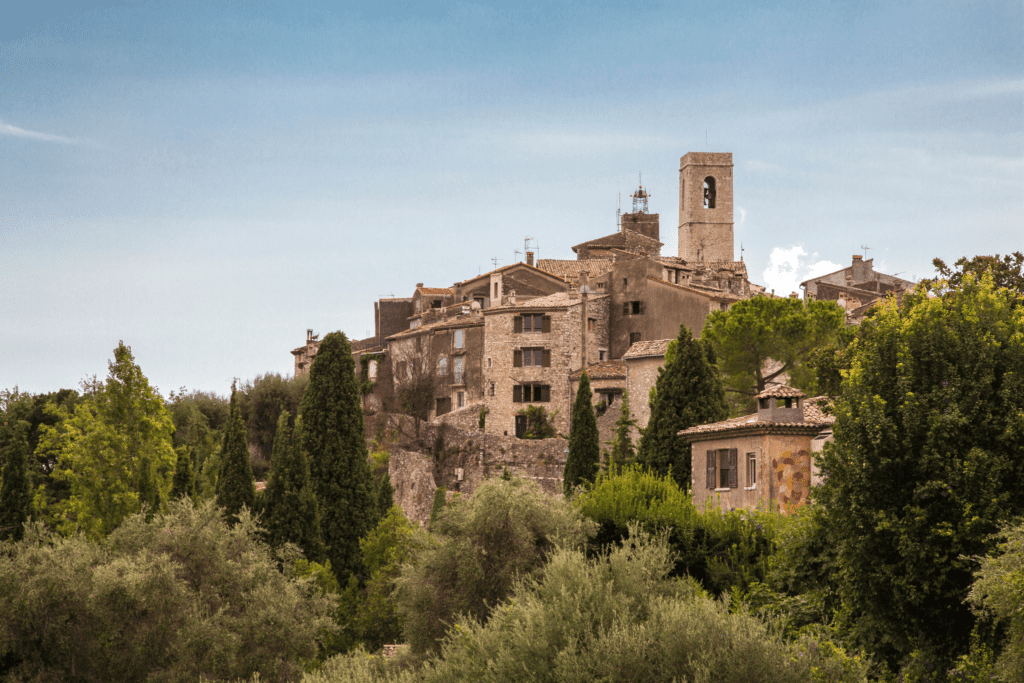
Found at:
<point>335,442</point>
<point>1007,272</point>
<point>623,451</point>
<point>114,451</point>
<point>928,462</point>
<point>16,489</point>
<point>688,392</point>
<point>292,514</point>
<point>261,402</point>
<point>199,422</point>
<point>479,548</point>
<point>999,591</point>
<point>539,424</point>
<point>235,485</point>
<point>755,331</point>
<point>185,597</point>
<point>184,482</point>
<point>584,459</point>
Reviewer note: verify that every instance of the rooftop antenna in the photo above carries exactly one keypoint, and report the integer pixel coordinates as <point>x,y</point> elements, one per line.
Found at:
<point>741,251</point>
<point>495,262</point>
<point>517,254</point>
<point>865,251</point>
<point>618,214</point>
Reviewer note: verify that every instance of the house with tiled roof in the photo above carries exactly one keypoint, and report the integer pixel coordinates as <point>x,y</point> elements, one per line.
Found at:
<point>855,288</point>
<point>764,460</point>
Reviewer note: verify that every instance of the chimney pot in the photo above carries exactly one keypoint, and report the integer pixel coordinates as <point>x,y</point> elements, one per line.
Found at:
<point>529,258</point>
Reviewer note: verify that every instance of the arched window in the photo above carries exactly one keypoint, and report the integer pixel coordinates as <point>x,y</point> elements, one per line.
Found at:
<point>442,367</point>
<point>709,193</point>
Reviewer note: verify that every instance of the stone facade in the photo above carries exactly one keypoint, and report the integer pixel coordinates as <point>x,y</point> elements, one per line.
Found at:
<point>706,207</point>
<point>643,360</point>
<point>855,288</point>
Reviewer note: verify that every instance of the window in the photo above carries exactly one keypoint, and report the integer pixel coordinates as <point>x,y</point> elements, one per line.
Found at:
<point>488,362</point>
<point>458,370</point>
<point>495,290</point>
<point>751,469</point>
<point>602,355</point>
<point>722,469</point>
<point>461,398</point>
<point>371,370</point>
<point>436,303</point>
<point>459,339</point>
<point>492,388</point>
<point>442,367</point>
<point>789,402</point>
<point>625,282</point>
<point>762,403</point>
<point>634,337</point>
<point>479,300</point>
<point>709,193</point>
<point>533,357</point>
<point>590,324</point>
<point>532,323</point>
<point>601,286</point>
<point>632,308</point>
<point>531,393</point>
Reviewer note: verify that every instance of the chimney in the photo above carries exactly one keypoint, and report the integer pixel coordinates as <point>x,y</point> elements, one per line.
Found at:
<point>529,258</point>
<point>418,285</point>
<point>860,269</point>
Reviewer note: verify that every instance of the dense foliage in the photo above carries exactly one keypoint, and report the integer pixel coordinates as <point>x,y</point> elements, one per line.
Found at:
<point>999,592</point>
<point>235,485</point>
<point>539,423</point>
<point>479,547</point>
<point>623,451</point>
<point>584,459</point>
<point>181,597</point>
<point>928,462</point>
<point>290,511</point>
<point>334,441</point>
<point>261,402</point>
<point>15,486</point>
<point>688,392</point>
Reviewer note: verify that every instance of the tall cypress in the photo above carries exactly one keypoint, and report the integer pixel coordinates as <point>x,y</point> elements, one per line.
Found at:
<point>584,443</point>
<point>688,392</point>
<point>292,514</point>
<point>335,442</point>
<point>235,487</point>
<point>16,493</point>
<point>184,482</point>
<point>623,450</point>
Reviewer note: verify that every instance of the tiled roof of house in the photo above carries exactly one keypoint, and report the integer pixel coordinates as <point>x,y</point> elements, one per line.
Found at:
<point>646,349</point>
<point>508,267</point>
<point>609,369</point>
<point>616,239</point>
<point>435,291</point>
<point>779,390</point>
<point>814,419</point>
<point>710,292</point>
<point>464,320</point>
<point>556,300</point>
<point>571,268</point>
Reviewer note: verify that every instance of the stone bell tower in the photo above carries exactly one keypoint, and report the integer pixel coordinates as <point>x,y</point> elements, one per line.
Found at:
<point>705,207</point>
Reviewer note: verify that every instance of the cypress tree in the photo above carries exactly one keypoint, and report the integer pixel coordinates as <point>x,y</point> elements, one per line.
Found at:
<point>235,486</point>
<point>16,493</point>
<point>292,514</point>
<point>688,393</point>
<point>184,482</point>
<point>623,450</point>
<point>385,495</point>
<point>335,442</point>
<point>584,443</point>
<point>440,500</point>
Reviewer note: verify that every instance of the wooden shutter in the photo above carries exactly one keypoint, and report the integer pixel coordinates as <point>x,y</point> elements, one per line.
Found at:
<point>517,324</point>
<point>625,308</point>
<point>517,394</point>
<point>641,307</point>
<point>545,393</point>
<point>517,358</point>
<point>545,324</point>
<point>711,470</point>
<point>545,360</point>
<point>734,476</point>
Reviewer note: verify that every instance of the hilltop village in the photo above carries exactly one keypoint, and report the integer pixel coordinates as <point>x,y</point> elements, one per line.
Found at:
<point>486,348</point>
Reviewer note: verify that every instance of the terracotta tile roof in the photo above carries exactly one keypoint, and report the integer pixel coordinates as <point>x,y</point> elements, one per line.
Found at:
<point>616,239</point>
<point>568,268</point>
<point>779,390</point>
<point>503,268</point>
<point>464,320</point>
<point>556,300</point>
<point>814,420</point>
<point>709,292</point>
<point>646,349</point>
<point>435,291</point>
<point>609,369</point>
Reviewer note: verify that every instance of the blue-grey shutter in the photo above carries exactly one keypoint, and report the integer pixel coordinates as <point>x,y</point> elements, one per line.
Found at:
<point>711,470</point>
<point>734,476</point>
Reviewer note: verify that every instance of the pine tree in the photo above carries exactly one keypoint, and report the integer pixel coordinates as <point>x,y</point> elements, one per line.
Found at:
<point>235,487</point>
<point>584,443</point>
<point>292,514</point>
<point>16,493</point>
<point>335,442</point>
<point>688,393</point>
<point>184,482</point>
<point>623,450</point>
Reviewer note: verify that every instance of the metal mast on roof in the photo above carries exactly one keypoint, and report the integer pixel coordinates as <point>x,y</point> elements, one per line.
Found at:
<point>495,262</point>
<point>618,214</point>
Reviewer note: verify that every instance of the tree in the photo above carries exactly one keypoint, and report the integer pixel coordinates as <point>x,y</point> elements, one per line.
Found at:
<point>200,419</point>
<point>235,485</point>
<point>997,591</point>
<point>539,423</point>
<point>584,458</point>
<point>114,451</point>
<point>1007,272</point>
<point>16,489</point>
<point>688,392</point>
<point>184,482</point>
<point>928,462</point>
<point>292,514</point>
<point>623,450</point>
<point>262,400</point>
<point>334,440</point>
<point>184,597</point>
<point>754,332</point>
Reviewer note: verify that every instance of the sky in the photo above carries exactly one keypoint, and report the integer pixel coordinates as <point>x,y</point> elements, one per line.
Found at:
<point>207,180</point>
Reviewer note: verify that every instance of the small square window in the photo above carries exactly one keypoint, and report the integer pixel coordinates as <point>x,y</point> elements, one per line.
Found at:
<point>634,337</point>
<point>625,282</point>
<point>461,397</point>
<point>493,388</point>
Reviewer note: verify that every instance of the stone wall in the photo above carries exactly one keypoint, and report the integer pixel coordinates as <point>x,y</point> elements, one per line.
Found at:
<point>641,376</point>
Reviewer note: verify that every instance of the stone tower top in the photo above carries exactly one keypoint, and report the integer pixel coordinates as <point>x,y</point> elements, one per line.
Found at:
<point>705,207</point>
<point>640,221</point>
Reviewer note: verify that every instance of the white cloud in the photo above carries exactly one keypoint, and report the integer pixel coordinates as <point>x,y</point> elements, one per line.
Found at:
<point>15,131</point>
<point>789,267</point>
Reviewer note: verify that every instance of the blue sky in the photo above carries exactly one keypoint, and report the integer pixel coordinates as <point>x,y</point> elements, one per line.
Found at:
<point>207,180</point>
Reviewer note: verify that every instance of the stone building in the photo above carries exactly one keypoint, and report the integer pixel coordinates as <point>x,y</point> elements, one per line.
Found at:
<point>856,288</point>
<point>760,461</point>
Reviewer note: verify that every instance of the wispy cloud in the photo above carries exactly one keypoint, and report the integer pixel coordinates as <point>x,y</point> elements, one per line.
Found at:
<point>15,131</point>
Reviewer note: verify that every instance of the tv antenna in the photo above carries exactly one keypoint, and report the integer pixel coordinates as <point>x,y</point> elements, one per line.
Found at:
<point>865,250</point>
<point>618,214</point>
<point>495,260</point>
